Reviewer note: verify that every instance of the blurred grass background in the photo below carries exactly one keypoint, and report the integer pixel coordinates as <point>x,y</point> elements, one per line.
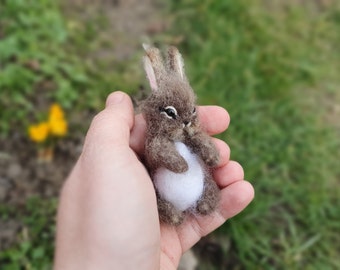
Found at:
<point>274,65</point>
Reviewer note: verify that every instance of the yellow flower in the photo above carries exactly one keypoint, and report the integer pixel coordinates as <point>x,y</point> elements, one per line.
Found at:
<point>56,121</point>
<point>56,112</point>
<point>58,127</point>
<point>38,133</point>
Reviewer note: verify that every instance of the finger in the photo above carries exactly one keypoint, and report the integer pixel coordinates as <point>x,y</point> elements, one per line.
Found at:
<point>234,199</point>
<point>112,125</point>
<point>228,174</point>
<point>214,119</point>
<point>138,134</point>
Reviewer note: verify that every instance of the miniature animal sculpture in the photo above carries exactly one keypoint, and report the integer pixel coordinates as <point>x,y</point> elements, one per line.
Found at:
<point>178,154</point>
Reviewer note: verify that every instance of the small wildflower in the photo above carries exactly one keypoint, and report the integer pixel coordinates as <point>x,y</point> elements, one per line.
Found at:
<point>38,133</point>
<point>43,132</point>
<point>56,112</point>
<point>56,121</point>
<point>58,127</point>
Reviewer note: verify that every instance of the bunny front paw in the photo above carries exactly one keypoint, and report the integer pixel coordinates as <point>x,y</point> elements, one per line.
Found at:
<point>178,167</point>
<point>210,155</point>
<point>211,160</point>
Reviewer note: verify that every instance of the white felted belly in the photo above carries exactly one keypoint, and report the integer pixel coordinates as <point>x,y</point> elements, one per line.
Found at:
<point>181,189</point>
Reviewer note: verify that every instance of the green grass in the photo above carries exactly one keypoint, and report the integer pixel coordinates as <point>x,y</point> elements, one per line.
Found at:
<point>274,67</point>
<point>43,59</point>
<point>262,64</point>
<point>33,65</point>
<point>35,247</point>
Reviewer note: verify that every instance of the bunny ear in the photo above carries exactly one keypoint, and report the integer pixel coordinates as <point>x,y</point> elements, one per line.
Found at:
<point>175,62</point>
<point>150,74</point>
<point>154,67</point>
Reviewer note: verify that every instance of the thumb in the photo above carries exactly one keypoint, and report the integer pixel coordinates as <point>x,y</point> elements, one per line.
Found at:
<point>112,125</point>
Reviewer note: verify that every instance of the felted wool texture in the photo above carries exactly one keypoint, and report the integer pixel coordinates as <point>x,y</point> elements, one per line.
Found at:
<point>183,190</point>
<point>181,97</point>
<point>178,154</point>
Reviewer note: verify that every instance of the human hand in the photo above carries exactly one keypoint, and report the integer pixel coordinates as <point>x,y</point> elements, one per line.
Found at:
<point>107,217</point>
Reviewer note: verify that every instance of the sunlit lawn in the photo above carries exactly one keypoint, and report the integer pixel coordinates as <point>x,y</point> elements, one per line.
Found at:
<point>274,67</point>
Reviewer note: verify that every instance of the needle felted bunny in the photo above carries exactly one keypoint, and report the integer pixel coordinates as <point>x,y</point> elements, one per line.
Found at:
<point>178,153</point>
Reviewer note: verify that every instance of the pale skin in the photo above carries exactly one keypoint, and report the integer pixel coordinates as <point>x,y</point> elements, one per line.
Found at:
<point>107,216</point>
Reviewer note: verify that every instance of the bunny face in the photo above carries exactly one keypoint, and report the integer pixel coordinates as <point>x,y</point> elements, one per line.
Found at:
<point>171,110</point>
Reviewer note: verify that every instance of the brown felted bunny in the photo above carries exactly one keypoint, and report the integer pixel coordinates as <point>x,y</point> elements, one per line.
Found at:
<point>178,153</point>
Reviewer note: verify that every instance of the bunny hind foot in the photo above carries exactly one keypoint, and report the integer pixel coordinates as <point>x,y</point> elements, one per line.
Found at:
<point>168,213</point>
<point>210,198</point>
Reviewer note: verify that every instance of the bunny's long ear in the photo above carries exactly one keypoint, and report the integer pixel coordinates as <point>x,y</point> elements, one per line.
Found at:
<point>175,62</point>
<point>150,74</point>
<point>154,67</point>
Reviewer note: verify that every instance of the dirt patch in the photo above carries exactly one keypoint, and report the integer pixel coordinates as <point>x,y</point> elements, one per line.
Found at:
<point>127,23</point>
<point>22,176</point>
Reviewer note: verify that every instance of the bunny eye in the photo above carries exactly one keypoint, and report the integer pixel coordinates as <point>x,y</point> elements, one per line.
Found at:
<point>169,112</point>
<point>194,111</point>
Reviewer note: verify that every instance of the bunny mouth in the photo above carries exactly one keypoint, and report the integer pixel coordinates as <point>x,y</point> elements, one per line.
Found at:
<point>189,129</point>
<point>186,124</point>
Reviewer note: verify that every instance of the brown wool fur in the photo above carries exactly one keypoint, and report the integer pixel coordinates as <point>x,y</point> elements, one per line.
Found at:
<point>171,88</point>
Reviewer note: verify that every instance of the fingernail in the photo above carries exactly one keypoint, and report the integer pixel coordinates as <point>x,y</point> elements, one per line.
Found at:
<point>115,98</point>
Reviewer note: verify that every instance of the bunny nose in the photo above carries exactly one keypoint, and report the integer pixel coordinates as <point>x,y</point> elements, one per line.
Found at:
<point>187,123</point>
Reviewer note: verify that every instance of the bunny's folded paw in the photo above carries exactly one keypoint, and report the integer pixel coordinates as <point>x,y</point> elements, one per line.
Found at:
<point>179,167</point>
<point>211,160</point>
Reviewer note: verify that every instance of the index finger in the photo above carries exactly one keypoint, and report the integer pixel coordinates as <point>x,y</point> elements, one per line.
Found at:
<point>213,119</point>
